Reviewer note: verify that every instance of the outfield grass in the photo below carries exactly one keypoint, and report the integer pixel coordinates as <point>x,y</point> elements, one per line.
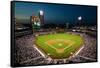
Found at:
<point>61,45</point>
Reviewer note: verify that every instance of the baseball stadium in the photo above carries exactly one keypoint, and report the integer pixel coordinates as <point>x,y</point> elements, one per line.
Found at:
<point>51,36</point>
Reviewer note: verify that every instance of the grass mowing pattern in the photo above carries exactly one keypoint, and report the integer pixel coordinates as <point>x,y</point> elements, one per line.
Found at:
<point>66,43</point>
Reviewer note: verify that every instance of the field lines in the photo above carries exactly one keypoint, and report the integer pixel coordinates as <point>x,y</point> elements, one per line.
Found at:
<point>59,45</point>
<point>79,50</point>
<point>60,50</point>
<point>57,50</point>
<point>50,46</point>
<point>69,45</point>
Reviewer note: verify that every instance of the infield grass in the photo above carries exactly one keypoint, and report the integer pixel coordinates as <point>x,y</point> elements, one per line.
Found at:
<point>60,45</point>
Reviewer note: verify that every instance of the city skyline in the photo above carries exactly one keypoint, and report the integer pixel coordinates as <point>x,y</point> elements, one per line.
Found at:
<point>56,13</point>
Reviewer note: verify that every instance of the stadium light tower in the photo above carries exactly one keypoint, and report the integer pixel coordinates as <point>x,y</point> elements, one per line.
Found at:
<point>67,25</point>
<point>41,12</point>
<point>41,16</point>
<point>79,20</point>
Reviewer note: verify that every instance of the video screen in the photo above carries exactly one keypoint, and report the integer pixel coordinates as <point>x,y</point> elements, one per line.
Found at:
<point>52,34</point>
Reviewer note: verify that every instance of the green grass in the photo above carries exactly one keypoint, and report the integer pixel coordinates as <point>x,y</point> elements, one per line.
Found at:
<point>52,43</point>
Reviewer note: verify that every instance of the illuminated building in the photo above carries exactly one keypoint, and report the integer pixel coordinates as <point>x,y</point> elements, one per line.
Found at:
<point>35,20</point>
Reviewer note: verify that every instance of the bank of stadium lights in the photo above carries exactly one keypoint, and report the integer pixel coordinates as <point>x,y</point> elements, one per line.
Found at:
<point>41,12</point>
<point>67,25</point>
<point>80,18</point>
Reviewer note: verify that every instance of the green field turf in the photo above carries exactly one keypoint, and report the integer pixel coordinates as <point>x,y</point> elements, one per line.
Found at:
<point>59,46</point>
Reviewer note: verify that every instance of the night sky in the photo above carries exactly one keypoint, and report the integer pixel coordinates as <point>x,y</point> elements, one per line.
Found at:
<point>54,13</point>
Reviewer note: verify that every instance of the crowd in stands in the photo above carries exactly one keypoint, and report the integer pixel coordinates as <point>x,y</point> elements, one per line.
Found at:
<point>24,49</point>
<point>90,48</point>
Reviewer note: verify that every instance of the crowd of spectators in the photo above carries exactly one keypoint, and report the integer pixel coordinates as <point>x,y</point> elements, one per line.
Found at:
<point>24,49</point>
<point>90,47</point>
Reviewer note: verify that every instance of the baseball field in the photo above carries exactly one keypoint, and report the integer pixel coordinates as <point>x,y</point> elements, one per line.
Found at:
<point>60,45</point>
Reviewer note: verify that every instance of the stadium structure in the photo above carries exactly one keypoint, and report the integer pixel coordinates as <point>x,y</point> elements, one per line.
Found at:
<point>39,43</point>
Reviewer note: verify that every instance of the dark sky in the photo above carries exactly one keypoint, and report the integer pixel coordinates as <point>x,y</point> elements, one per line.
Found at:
<point>54,13</point>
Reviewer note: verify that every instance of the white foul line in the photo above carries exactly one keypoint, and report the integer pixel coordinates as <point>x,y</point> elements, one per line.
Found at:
<point>39,51</point>
<point>79,50</point>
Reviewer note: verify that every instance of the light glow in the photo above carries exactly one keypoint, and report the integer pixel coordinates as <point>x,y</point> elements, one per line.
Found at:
<point>79,18</point>
<point>41,12</point>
